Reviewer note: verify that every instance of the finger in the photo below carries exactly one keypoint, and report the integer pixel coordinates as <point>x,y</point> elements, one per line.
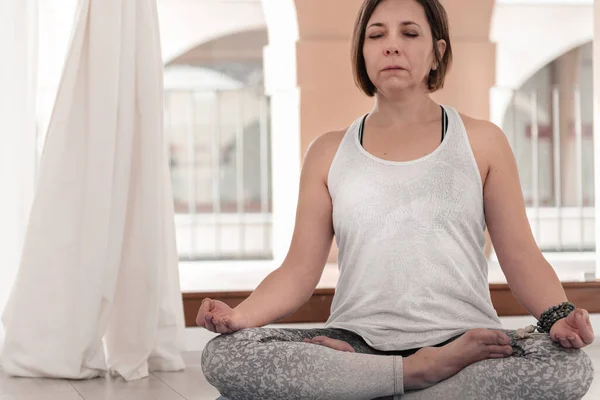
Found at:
<point>564,342</point>
<point>560,333</point>
<point>571,319</point>
<point>200,320</point>
<point>586,316</point>
<point>228,324</point>
<point>576,341</point>
<point>584,326</point>
<point>220,326</point>
<point>209,323</point>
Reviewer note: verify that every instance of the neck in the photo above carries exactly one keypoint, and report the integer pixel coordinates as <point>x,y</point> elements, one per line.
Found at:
<point>406,110</point>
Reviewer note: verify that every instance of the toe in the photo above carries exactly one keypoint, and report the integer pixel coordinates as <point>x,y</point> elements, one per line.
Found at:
<point>488,337</point>
<point>333,343</point>
<point>338,345</point>
<point>502,338</point>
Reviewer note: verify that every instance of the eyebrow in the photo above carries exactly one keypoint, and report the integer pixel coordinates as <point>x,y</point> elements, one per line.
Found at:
<point>404,23</point>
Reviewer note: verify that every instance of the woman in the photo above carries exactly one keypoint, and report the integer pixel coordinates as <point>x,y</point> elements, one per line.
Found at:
<point>408,191</point>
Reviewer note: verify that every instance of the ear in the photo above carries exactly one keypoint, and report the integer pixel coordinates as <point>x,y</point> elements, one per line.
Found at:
<point>441,48</point>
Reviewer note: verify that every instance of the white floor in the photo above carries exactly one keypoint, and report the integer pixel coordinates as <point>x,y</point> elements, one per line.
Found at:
<point>189,384</point>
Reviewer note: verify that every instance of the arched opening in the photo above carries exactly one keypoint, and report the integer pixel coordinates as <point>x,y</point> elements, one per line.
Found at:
<point>549,122</point>
<point>233,99</point>
<point>216,119</point>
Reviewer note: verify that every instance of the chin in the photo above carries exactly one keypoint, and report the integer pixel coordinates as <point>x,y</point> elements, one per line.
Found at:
<point>396,89</point>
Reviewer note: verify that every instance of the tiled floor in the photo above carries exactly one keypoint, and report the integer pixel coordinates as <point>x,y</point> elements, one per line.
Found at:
<point>189,385</point>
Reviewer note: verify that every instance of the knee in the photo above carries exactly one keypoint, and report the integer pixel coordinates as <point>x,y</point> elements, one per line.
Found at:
<point>219,354</point>
<point>556,372</point>
<point>216,358</point>
<point>581,369</point>
<point>212,359</point>
<point>573,375</point>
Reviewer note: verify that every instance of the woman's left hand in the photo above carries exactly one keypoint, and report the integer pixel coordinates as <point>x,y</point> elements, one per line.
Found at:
<point>574,331</point>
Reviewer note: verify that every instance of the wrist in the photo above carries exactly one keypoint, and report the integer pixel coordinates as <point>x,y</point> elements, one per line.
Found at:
<point>243,317</point>
<point>553,314</point>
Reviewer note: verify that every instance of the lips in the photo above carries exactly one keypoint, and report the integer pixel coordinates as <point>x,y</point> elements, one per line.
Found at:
<point>393,68</point>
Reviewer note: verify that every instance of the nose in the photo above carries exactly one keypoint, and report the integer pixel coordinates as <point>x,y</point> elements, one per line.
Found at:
<point>392,50</point>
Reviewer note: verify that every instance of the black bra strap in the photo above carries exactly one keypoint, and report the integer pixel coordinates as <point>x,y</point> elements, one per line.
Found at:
<point>361,128</point>
<point>444,123</point>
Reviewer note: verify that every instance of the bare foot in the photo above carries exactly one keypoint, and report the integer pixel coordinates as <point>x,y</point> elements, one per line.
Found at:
<point>331,343</point>
<point>431,365</point>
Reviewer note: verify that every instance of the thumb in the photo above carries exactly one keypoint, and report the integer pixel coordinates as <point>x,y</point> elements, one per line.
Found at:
<point>571,320</point>
<point>561,329</point>
<point>205,307</point>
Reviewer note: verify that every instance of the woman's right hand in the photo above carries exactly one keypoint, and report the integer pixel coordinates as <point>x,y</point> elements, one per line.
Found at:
<point>218,317</point>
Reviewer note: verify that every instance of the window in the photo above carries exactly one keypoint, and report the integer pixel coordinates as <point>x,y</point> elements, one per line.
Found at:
<point>549,125</point>
<point>216,119</point>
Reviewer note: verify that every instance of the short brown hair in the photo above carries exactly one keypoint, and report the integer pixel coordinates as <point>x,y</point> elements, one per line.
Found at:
<point>438,23</point>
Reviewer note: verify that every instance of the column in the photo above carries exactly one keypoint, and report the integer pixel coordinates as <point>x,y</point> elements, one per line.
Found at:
<point>473,72</point>
<point>329,98</point>
<point>566,76</point>
<point>282,88</point>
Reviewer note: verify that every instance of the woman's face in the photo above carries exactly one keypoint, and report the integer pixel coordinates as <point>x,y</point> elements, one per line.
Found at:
<point>398,47</point>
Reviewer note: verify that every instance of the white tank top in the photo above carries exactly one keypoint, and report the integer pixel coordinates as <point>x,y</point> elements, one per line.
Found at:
<point>411,243</point>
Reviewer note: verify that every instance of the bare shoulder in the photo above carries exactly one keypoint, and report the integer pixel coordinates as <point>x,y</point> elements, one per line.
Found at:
<point>321,151</point>
<point>327,143</point>
<point>487,139</point>
<point>480,129</point>
<point>489,144</point>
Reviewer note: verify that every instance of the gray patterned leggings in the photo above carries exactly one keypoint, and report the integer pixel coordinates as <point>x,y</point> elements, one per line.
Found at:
<point>269,364</point>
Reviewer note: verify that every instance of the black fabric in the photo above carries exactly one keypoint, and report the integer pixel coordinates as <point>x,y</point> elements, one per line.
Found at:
<point>444,126</point>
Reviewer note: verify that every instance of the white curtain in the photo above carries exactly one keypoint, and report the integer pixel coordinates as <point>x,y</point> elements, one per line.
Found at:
<point>98,285</point>
<point>596,119</point>
<point>18,72</point>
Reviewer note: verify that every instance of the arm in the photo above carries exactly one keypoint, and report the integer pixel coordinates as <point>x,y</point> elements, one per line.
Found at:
<point>531,278</point>
<point>286,289</point>
<point>529,275</point>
